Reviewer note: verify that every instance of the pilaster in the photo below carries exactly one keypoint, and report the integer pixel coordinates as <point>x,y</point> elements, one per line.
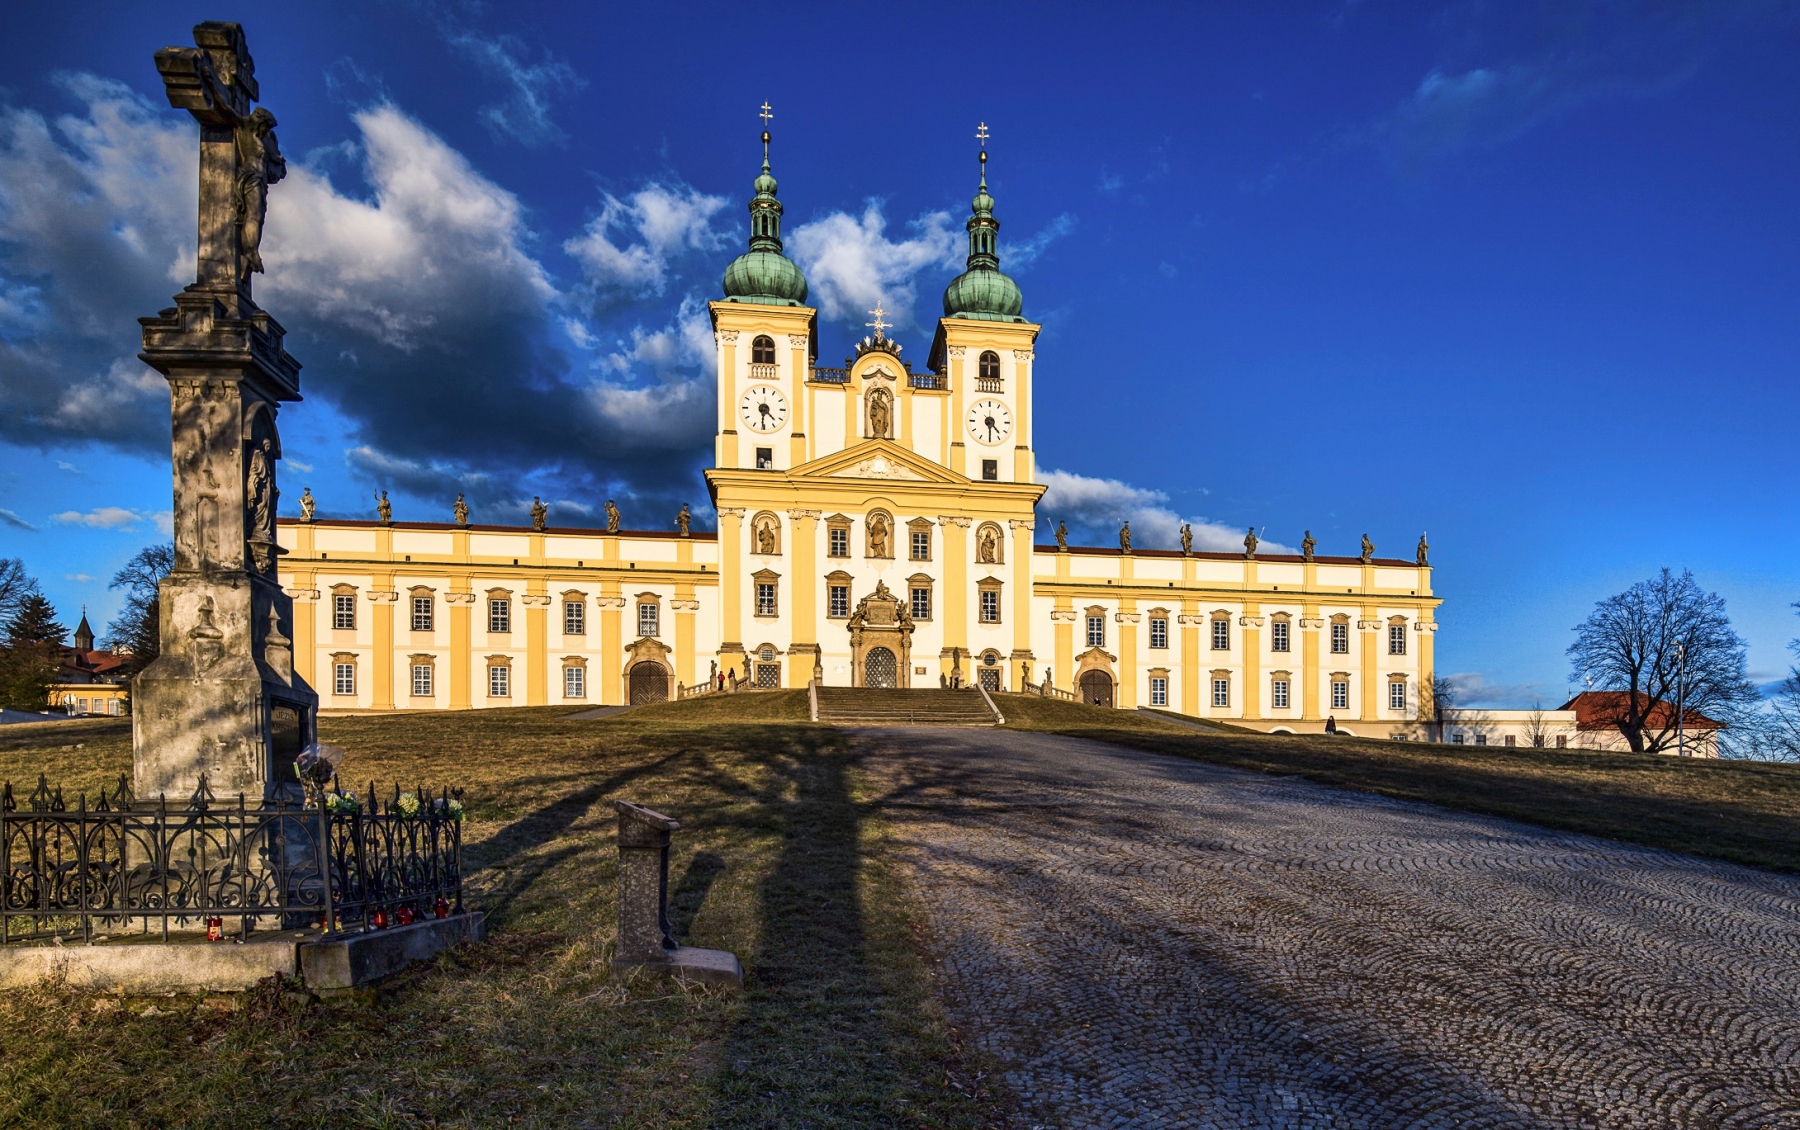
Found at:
<point>612,644</point>
<point>461,602</point>
<point>957,594</point>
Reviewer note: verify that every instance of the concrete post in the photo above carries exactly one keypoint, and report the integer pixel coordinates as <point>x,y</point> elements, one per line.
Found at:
<point>645,939</point>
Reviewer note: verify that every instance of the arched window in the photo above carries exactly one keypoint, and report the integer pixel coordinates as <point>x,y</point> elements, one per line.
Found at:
<point>762,350</point>
<point>987,373</point>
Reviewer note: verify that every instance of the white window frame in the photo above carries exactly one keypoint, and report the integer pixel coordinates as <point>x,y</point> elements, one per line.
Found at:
<point>919,602</point>
<point>1396,639</point>
<point>423,619</point>
<point>1221,634</point>
<point>574,617</point>
<point>649,618</point>
<point>1159,690</point>
<point>499,616</point>
<point>1278,636</point>
<point>499,681</point>
<point>1340,694</point>
<point>767,599</point>
<point>833,595</point>
<point>343,612</point>
<point>990,606</point>
<point>1221,692</point>
<point>1159,632</point>
<point>1096,631</point>
<point>920,543</point>
<point>422,683</point>
<point>343,678</point>
<point>1278,694</point>
<point>837,541</point>
<point>1397,694</point>
<point>1340,638</point>
<point>574,681</point>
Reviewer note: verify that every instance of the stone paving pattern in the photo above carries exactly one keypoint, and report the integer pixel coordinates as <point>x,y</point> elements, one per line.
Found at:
<point>1145,941</point>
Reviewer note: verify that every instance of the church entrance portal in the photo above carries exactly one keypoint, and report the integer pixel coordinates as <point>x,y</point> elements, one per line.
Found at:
<point>1097,688</point>
<point>879,669</point>
<point>649,683</point>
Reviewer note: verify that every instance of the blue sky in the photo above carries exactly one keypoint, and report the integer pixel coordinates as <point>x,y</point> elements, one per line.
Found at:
<point>1522,275</point>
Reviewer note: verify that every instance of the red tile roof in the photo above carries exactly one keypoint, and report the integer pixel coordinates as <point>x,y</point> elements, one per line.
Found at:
<point>1604,710</point>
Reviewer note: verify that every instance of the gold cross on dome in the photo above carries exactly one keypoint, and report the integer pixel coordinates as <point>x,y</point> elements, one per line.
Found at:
<point>766,113</point>
<point>981,134</point>
<point>878,323</point>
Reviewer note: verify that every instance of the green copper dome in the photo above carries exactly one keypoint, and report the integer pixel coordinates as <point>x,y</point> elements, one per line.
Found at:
<point>983,292</point>
<point>763,274</point>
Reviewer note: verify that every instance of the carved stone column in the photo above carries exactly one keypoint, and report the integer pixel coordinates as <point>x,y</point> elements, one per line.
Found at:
<point>223,698</point>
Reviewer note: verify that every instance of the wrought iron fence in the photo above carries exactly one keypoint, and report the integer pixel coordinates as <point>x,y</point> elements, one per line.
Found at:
<point>122,865</point>
<point>831,376</point>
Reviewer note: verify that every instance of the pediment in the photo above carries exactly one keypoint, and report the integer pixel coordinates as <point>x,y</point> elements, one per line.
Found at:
<point>880,459</point>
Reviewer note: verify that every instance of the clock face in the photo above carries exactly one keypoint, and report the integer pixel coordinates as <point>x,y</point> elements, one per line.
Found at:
<point>764,408</point>
<point>989,422</point>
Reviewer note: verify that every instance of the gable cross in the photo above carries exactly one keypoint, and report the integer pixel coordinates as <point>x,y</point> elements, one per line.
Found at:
<point>766,113</point>
<point>981,134</point>
<point>878,323</point>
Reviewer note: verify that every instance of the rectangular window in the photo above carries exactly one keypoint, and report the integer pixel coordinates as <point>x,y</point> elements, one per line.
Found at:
<point>1159,632</point>
<point>1456,739</point>
<point>1159,691</point>
<point>1480,739</point>
<point>1340,695</point>
<point>1396,695</point>
<point>421,614</point>
<point>1221,692</point>
<point>1340,639</point>
<point>1537,741</point>
<point>1278,636</point>
<point>1562,741</point>
<point>765,458</point>
<point>1396,639</point>
<point>840,600</point>
<point>499,682</point>
<point>990,470</point>
<point>1509,740</point>
<point>839,538</point>
<point>343,612</point>
<point>921,604</point>
<point>343,678</point>
<point>574,617</point>
<point>1096,634</point>
<point>1221,637</point>
<point>421,680</point>
<point>112,706</point>
<point>499,615</point>
<point>990,606</point>
<point>921,545</point>
<point>1278,694</point>
<point>647,619</point>
<point>765,598</point>
<point>574,682</point>
<point>768,674</point>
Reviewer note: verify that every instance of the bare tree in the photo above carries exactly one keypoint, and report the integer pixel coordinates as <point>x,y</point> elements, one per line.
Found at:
<point>138,628</point>
<point>1772,734</point>
<point>1659,642</point>
<point>1537,731</point>
<point>15,586</point>
<point>1443,698</point>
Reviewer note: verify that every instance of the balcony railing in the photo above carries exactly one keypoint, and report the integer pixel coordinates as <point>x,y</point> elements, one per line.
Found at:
<point>927,380</point>
<point>989,384</point>
<point>831,376</point>
<point>762,372</point>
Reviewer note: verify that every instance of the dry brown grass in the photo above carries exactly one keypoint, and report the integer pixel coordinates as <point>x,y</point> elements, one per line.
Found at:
<point>778,860</point>
<point>1748,812</point>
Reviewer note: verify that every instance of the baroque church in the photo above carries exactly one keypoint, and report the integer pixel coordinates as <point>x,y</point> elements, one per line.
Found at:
<point>877,526</point>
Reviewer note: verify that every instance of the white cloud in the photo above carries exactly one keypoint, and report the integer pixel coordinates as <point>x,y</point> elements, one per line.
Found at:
<point>1094,508</point>
<point>103,518</point>
<point>1018,256</point>
<point>524,114</point>
<point>165,522</point>
<point>304,468</point>
<point>851,264</point>
<point>82,578</point>
<point>668,221</point>
<point>7,517</point>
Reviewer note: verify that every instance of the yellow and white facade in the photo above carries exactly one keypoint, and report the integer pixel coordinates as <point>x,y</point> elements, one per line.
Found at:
<point>862,510</point>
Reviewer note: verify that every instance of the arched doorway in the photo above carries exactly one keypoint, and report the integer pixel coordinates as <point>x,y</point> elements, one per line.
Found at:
<point>879,668</point>
<point>1097,688</point>
<point>649,683</point>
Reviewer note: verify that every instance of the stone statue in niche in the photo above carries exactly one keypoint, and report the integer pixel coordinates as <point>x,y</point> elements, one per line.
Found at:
<point>260,164</point>
<point>1187,540</point>
<point>1306,546</point>
<point>987,547</point>
<point>384,509</point>
<point>683,519</point>
<point>1062,536</point>
<point>1125,538</point>
<point>765,536</point>
<point>878,536</point>
<point>306,505</point>
<point>612,517</point>
<point>540,514</point>
<point>259,492</point>
<point>460,509</point>
<point>880,414</point>
<point>1368,550</point>
<point>1423,557</point>
<point>1250,544</point>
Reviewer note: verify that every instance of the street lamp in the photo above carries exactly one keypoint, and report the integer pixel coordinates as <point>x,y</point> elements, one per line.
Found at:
<point>1680,700</point>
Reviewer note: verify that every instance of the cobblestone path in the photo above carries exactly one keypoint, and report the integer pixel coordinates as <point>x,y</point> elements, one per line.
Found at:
<point>1145,941</point>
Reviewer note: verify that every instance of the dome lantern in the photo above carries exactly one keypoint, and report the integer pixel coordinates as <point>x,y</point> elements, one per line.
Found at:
<point>763,274</point>
<point>983,292</point>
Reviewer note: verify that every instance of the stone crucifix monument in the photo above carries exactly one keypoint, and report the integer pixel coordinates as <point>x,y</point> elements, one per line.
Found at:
<point>222,698</point>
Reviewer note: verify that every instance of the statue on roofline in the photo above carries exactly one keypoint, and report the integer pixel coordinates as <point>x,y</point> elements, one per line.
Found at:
<point>1424,549</point>
<point>461,510</point>
<point>1306,546</point>
<point>682,519</point>
<point>1125,538</point>
<point>1368,550</point>
<point>384,509</point>
<point>306,505</point>
<point>1187,540</point>
<point>1062,536</point>
<point>540,514</point>
<point>1250,544</point>
<point>612,517</point>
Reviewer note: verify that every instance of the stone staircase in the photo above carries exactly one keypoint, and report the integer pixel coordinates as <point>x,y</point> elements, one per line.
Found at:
<point>869,706</point>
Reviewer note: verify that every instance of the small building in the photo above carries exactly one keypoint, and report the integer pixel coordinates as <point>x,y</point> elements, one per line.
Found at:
<point>91,681</point>
<point>1599,714</point>
<point>1588,721</point>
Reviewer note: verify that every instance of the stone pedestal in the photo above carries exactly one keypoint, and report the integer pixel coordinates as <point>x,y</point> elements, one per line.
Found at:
<point>223,699</point>
<point>645,940</point>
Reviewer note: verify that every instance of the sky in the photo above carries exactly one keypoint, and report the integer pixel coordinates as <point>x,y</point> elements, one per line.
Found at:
<point>1523,276</point>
